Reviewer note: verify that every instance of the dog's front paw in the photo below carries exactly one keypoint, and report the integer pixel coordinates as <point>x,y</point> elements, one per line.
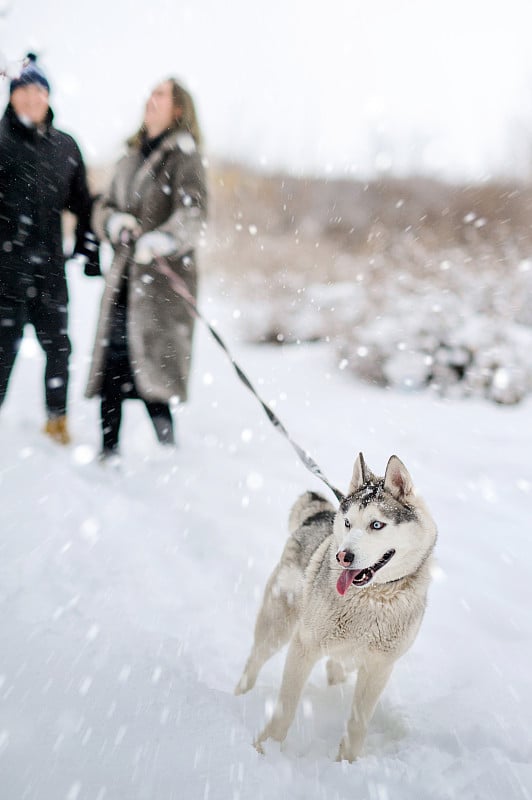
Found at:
<point>258,746</point>
<point>243,685</point>
<point>347,751</point>
<point>271,733</point>
<point>267,745</point>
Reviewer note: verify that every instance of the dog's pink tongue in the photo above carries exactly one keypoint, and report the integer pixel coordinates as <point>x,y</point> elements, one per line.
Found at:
<point>345,580</point>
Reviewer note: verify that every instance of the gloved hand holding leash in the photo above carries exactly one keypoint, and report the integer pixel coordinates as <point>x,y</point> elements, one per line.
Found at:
<point>125,229</point>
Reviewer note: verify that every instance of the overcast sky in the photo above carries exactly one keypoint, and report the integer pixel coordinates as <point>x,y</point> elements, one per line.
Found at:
<point>341,86</point>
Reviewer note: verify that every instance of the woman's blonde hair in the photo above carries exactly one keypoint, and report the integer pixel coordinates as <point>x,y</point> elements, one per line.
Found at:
<point>186,121</point>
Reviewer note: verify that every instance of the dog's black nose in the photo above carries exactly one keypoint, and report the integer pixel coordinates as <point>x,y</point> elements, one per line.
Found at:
<point>345,557</point>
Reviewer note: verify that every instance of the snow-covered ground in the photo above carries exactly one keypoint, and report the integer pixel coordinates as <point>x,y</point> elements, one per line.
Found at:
<point>128,599</point>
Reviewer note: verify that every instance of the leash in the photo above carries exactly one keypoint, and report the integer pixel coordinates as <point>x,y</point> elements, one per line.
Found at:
<point>180,288</point>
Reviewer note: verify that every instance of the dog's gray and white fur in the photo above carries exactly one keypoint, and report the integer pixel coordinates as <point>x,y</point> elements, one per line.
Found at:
<point>351,585</point>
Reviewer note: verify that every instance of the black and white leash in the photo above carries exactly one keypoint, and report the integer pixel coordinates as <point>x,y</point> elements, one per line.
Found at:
<point>180,288</point>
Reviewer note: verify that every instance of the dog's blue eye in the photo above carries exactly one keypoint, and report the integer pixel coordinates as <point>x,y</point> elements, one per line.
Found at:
<point>377,526</point>
<point>347,523</point>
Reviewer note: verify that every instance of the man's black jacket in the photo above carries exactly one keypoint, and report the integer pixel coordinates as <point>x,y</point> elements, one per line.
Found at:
<point>41,174</point>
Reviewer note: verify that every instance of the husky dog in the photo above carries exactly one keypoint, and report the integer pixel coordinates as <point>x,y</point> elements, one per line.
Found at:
<point>351,585</point>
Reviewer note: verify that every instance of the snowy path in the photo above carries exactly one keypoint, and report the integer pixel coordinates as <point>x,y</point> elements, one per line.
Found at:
<point>128,599</point>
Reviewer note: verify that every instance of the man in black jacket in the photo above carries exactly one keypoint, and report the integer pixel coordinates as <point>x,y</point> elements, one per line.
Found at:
<point>41,174</point>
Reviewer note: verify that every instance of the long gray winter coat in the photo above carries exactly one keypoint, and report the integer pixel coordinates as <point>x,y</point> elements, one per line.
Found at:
<point>166,192</point>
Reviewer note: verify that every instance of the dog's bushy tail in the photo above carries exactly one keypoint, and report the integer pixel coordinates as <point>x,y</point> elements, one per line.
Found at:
<point>306,506</point>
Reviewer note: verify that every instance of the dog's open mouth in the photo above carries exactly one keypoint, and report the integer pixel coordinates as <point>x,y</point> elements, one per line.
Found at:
<point>360,577</point>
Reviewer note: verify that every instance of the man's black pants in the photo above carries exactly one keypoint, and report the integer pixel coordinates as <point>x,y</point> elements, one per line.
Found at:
<point>49,317</point>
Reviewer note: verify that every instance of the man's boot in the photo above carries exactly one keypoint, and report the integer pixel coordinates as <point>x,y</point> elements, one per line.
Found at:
<point>56,428</point>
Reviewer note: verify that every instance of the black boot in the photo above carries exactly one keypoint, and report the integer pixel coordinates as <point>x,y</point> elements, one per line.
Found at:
<point>109,456</point>
<point>161,417</point>
<point>164,429</point>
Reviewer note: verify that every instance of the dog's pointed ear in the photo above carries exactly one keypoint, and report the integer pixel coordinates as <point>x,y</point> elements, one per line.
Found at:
<point>397,479</point>
<point>360,475</point>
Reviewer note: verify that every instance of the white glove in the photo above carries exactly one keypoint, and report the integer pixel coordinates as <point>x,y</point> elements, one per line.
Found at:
<point>154,244</point>
<point>120,224</point>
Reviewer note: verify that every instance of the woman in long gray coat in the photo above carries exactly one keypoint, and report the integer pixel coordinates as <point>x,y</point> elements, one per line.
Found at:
<point>155,207</point>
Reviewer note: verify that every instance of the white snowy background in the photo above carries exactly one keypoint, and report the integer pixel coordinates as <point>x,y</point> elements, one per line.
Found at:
<point>128,598</point>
